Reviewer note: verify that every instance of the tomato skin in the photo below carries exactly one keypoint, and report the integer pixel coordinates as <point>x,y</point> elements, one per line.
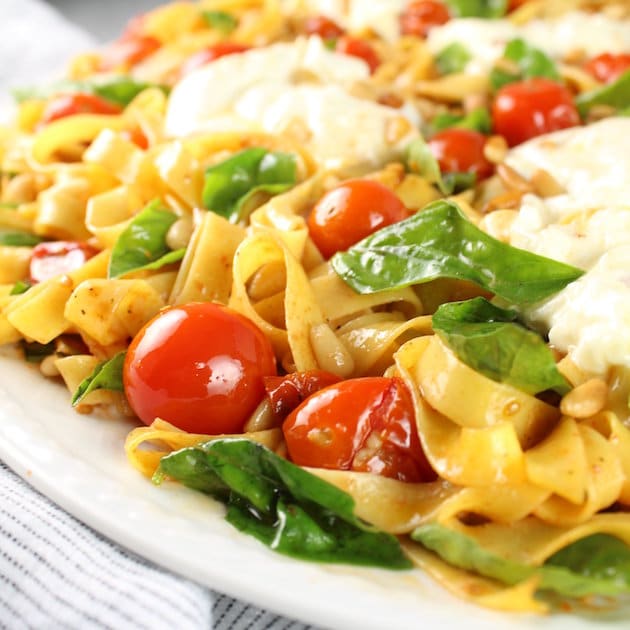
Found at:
<point>58,257</point>
<point>199,366</point>
<point>358,48</point>
<point>212,53</point>
<point>608,67</point>
<point>129,50</point>
<point>527,109</point>
<point>79,103</point>
<point>322,26</point>
<point>420,17</point>
<point>461,151</point>
<point>352,211</point>
<point>363,424</point>
<point>136,136</point>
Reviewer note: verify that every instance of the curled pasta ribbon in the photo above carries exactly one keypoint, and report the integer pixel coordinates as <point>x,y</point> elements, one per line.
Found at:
<point>145,446</point>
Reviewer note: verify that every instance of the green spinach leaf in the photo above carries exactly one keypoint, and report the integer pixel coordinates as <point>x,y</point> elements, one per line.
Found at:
<point>21,286</point>
<point>453,58</point>
<point>229,185</point>
<point>142,244</point>
<point>488,339</point>
<point>615,94</point>
<point>19,239</point>
<point>478,8</point>
<point>439,242</point>
<point>284,506</point>
<point>477,120</point>
<point>106,375</point>
<point>221,20</point>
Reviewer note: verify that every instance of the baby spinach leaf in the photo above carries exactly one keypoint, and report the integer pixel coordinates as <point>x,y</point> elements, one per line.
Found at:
<point>19,239</point>
<point>106,375</point>
<point>477,120</point>
<point>571,573</point>
<point>142,244</point>
<point>615,94</point>
<point>453,58</point>
<point>221,20</point>
<point>21,286</point>
<point>439,242</point>
<point>478,8</point>
<point>229,185</point>
<point>284,506</point>
<point>488,339</point>
<point>531,62</point>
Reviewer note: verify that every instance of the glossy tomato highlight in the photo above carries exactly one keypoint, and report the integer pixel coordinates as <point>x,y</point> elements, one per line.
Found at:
<point>199,366</point>
<point>461,151</point>
<point>421,16</point>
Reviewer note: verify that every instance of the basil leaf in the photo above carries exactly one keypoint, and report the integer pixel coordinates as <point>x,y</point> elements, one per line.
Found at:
<point>285,507</point>
<point>21,286</point>
<point>453,58</point>
<point>478,8</point>
<point>35,352</point>
<point>221,20</point>
<point>9,205</point>
<point>456,182</point>
<point>439,242</point>
<point>477,120</point>
<point>229,185</point>
<point>19,239</point>
<point>615,94</point>
<point>488,339</point>
<point>531,62</point>
<point>571,573</point>
<point>106,375</point>
<point>142,244</point>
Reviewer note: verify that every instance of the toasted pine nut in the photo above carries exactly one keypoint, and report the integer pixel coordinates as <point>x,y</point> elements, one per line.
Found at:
<point>179,233</point>
<point>261,419</point>
<point>498,224</point>
<point>330,352</point>
<point>510,199</point>
<point>495,149</point>
<point>586,399</point>
<point>47,367</point>
<point>545,185</point>
<point>512,179</point>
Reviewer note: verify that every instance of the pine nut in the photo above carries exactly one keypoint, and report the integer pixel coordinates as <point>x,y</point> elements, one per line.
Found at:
<point>585,400</point>
<point>495,149</point>
<point>178,235</point>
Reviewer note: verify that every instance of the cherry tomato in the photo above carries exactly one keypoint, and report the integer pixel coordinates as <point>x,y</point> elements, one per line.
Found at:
<point>363,424</point>
<point>322,26</point>
<point>79,103</point>
<point>420,17</point>
<point>58,257</point>
<point>530,108</point>
<point>285,393</point>
<point>608,67</point>
<point>136,136</point>
<point>515,4</point>
<point>129,50</point>
<point>352,211</point>
<point>210,54</point>
<point>358,48</point>
<point>461,151</point>
<point>199,366</point>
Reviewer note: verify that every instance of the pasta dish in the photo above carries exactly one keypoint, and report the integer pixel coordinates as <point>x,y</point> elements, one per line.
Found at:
<point>357,270</point>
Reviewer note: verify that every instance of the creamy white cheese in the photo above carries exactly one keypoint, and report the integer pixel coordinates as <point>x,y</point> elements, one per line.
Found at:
<point>558,37</point>
<point>300,87</point>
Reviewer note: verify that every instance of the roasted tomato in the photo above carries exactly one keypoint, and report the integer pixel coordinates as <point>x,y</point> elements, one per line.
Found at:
<point>461,151</point>
<point>608,67</point>
<point>352,211</point>
<point>129,50</point>
<point>358,48</point>
<point>322,26</point>
<point>363,424</point>
<point>526,109</point>
<point>200,366</point>
<point>420,17</point>
<point>212,53</point>
<point>79,103</point>
<point>58,257</point>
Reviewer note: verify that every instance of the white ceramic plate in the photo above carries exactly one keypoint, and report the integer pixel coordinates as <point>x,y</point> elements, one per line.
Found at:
<point>78,461</point>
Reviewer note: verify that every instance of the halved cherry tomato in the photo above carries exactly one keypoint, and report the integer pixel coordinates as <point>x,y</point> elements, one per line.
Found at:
<point>364,424</point>
<point>322,26</point>
<point>461,151</point>
<point>608,67</point>
<point>129,50</point>
<point>526,109</point>
<point>212,53</point>
<point>420,17</point>
<point>358,48</point>
<point>352,211</point>
<point>58,257</point>
<point>285,393</point>
<point>200,366</point>
<point>78,103</point>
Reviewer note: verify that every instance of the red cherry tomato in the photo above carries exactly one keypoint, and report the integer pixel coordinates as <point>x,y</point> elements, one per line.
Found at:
<point>608,67</point>
<point>58,257</point>
<point>420,17</point>
<point>199,366</point>
<point>358,48</point>
<point>322,26</point>
<point>530,108</point>
<point>352,211</point>
<point>285,393</point>
<point>79,103</point>
<point>129,50</point>
<point>136,136</point>
<point>363,424</point>
<point>210,54</point>
<point>461,151</point>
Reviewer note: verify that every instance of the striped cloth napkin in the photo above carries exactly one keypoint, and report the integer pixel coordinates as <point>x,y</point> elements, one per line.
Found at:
<point>55,572</point>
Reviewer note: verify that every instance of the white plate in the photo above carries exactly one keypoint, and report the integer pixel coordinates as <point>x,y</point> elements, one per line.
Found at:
<point>78,461</point>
